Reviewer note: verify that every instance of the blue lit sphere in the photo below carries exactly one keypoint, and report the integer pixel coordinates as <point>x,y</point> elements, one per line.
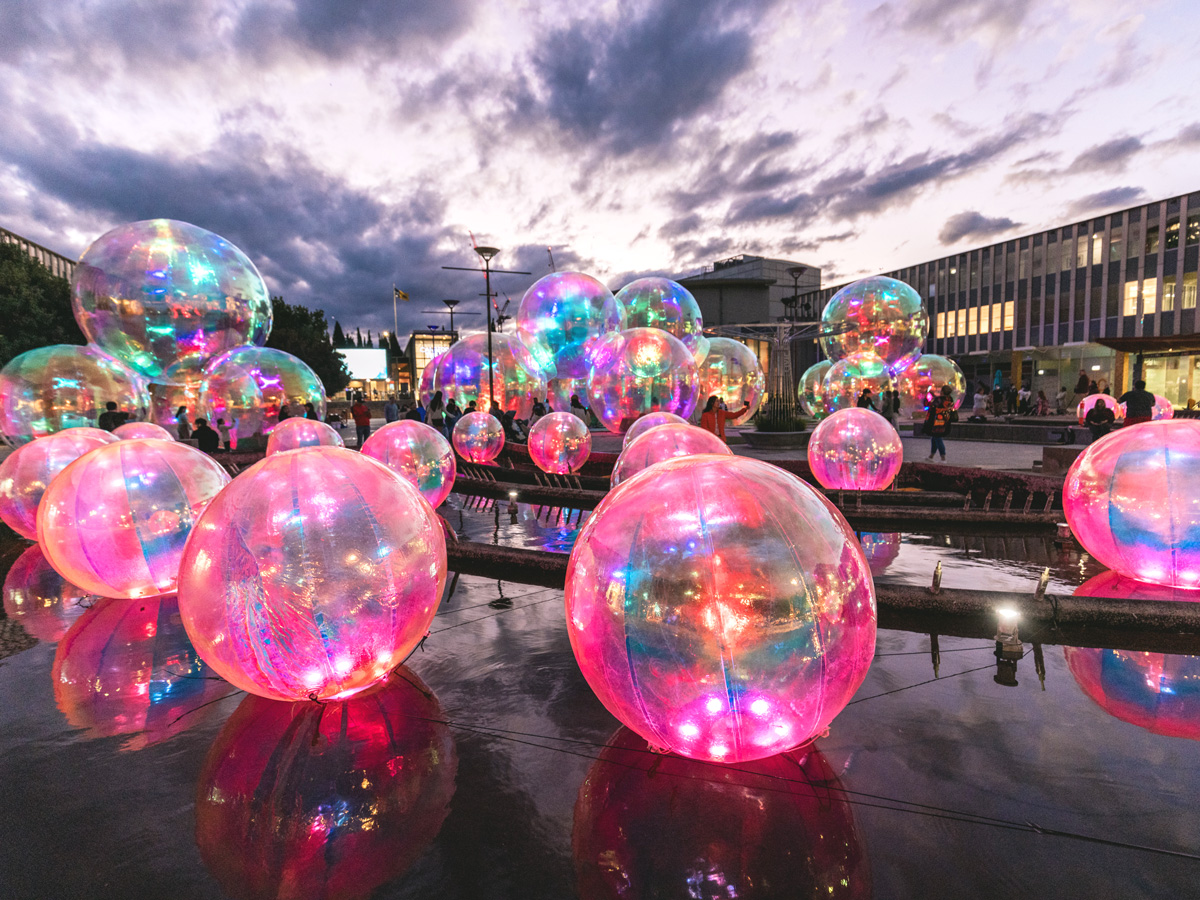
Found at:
<point>647,370</point>
<point>561,314</point>
<point>666,304</point>
<point>463,374</point>
<point>877,315</point>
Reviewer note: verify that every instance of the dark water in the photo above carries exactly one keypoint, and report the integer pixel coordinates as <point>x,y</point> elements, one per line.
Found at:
<point>483,772</point>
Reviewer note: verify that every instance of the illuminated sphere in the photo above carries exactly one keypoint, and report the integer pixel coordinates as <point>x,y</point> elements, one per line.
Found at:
<point>248,386</point>
<point>294,433</point>
<point>561,314</point>
<point>417,453</point>
<point>156,292</point>
<point>429,378</point>
<point>1162,408</point>
<point>666,304</point>
<point>877,315</point>
<point>314,574</point>
<point>847,378</point>
<point>39,599</point>
<point>648,370</point>
<point>63,386</point>
<point>812,389</point>
<point>924,379</point>
<point>560,391</point>
<point>732,372</point>
<point>559,443</point>
<point>1131,500</point>
<point>856,450</point>
<point>651,420</point>
<point>142,498</point>
<point>1159,692</point>
<point>720,607</point>
<point>180,385</point>
<point>478,437</point>
<point>328,800</point>
<point>135,430</point>
<point>665,442</point>
<point>27,472</point>
<point>463,374</point>
<point>1086,404</point>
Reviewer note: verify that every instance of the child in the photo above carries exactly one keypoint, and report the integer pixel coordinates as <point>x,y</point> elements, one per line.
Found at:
<point>224,429</point>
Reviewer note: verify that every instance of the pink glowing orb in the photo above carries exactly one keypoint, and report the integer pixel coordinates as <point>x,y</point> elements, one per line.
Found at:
<point>39,599</point>
<point>848,378</point>
<point>417,453</point>
<point>1086,404</point>
<point>651,420</point>
<point>478,437</point>
<point>657,302</point>
<point>1162,408</point>
<point>1159,692</point>
<point>668,441</point>
<point>248,387</point>
<point>878,315</point>
<point>720,607</point>
<point>1113,586</point>
<point>924,379</point>
<point>640,371</point>
<point>294,433</point>
<point>856,450</point>
<point>115,521</point>
<point>134,430</point>
<point>314,574</point>
<point>426,388</point>
<point>559,443</point>
<point>27,472</point>
<point>559,317</point>
<point>1130,499</point>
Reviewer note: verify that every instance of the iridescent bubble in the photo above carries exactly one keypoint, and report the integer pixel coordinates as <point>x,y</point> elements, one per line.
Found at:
<point>668,441</point>
<point>1086,404</point>
<point>313,575</point>
<point>179,386</point>
<point>141,498</point>
<point>39,599</point>
<point>812,389</point>
<point>27,472</point>
<point>561,314</point>
<point>1162,408</point>
<point>877,315</point>
<point>559,443</point>
<point>561,390</point>
<point>666,304</point>
<point>156,292</point>
<point>464,375</point>
<point>417,453</point>
<point>63,386</point>
<point>732,372</point>
<point>294,433</point>
<point>138,430</point>
<point>648,371</point>
<point>847,378</point>
<point>249,386</point>
<point>720,607</point>
<point>478,437</point>
<point>920,382</point>
<point>648,421</point>
<point>436,376</point>
<point>1159,692</point>
<point>856,450</point>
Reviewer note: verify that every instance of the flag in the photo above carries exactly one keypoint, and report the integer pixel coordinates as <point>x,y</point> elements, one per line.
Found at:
<point>400,295</point>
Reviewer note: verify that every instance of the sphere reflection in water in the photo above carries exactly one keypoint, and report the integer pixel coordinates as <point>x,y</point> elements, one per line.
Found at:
<point>732,372</point>
<point>127,667</point>
<point>640,371</point>
<point>855,449</point>
<point>417,453</point>
<point>322,801</point>
<point>248,387</point>
<point>668,441</point>
<point>294,433</point>
<point>559,317</point>
<point>880,548</point>
<point>148,430</point>
<point>720,607</point>
<point>849,377</point>
<point>115,521</point>
<point>1114,586</point>
<point>662,303</point>
<point>27,472</point>
<point>1130,499</point>
<point>658,826</point>
<point>1159,692</point>
<point>41,600</point>
<point>878,315</point>
<point>812,389</point>
<point>518,380</point>
<point>648,421</point>
<point>478,437</point>
<point>920,382</point>
<point>559,443</point>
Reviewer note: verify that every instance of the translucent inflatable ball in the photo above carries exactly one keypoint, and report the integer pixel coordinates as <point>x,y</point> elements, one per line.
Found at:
<point>666,304</point>
<point>561,314</point>
<point>249,386</point>
<point>478,437</point>
<point>294,433</point>
<point>732,372</point>
<point>847,378</point>
<point>811,389</point>
<point>559,392</point>
<point>559,443</point>
<point>642,370</point>
<point>923,380</point>
<point>463,374</point>
<point>855,450</point>
<point>179,386</point>
<point>136,430</point>
<point>648,421</point>
<point>1086,404</point>
<point>668,441</point>
<point>27,472</point>
<point>877,315</point>
<point>417,453</point>
<point>39,599</point>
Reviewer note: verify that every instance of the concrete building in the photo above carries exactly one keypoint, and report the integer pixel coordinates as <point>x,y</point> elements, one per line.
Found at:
<point>62,266</point>
<point>423,346</point>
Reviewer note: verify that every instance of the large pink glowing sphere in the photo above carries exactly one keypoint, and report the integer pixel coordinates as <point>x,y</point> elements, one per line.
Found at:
<point>662,303</point>
<point>720,607</point>
<point>878,315</point>
<point>648,421</point>
<point>848,377</point>
<point>1091,400</point>
<point>924,379</point>
<point>463,373</point>
<point>639,371</point>
<point>417,453</point>
<point>132,431</point>
<point>27,472</point>
<point>732,372</point>
<point>314,574</point>
<point>115,521</point>
<point>478,437</point>
<point>559,317</point>
<point>668,441</point>
<point>294,433</point>
<point>39,599</point>
<point>248,388</point>
<point>856,450</point>
<point>559,443</point>
<point>1131,500</point>
<point>811,389</point>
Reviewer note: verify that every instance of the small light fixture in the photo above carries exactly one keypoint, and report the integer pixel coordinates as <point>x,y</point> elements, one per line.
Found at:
<point>1095,368</point>
<point>1006,629</point>
<point>512,503</point>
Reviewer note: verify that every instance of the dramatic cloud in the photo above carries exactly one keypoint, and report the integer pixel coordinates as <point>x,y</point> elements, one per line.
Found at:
<point>973,224</point>
<point>1114,198</point>
<point>1111,156</point>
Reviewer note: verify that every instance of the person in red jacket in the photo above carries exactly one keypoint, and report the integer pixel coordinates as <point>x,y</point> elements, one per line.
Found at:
<point>362,419</point>
<point>714,417</point>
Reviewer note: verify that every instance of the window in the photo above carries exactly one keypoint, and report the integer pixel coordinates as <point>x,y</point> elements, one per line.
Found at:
<point>1114,243</point>
<point>983,319</point>
<point>972,321</point>
<point>1039,260</point>
<point>1172,240</point>
<point>1132,244</point>
<point>1068,253</point>
<point>1010,266</point>
<point>1009,314</point>
<point>941,324</point>
<point>1193,230</point>
<point>1149,296</point>
<point>1151,239</point>
<point>996,317</point>
<point>1081,246</point>
<point>1023,273</point>
<point>1097,249</point>
<point>1131,292</point>
<point>1168,294</point>
<point>962,321</point>
<point>1188,298</point>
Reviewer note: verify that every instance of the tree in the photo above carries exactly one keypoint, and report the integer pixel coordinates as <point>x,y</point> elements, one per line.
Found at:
<point>303,332</point>
<point>370,341</point>
<point>358,337</point>
<point>35,306</point>
<point>339,336</point>
<point>394,346</point>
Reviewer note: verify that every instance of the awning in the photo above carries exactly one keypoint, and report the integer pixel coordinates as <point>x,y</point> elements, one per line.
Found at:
<point>1180,343</point>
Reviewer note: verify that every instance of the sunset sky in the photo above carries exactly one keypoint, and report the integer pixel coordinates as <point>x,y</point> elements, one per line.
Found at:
<point>348,145</point>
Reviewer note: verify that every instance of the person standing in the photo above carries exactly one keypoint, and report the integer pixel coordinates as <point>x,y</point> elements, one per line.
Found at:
<point>1023,397</point>
<point>284,412</point>
<point>310,412</point>
<point>865,400</point>
<point>715,416</point>
<point>937,422</point>
<point>1081,386</point>
<point>224,430</point>
<point>437,413</point>
<point>391,412</point>
<point>110,418</point>
<point>579,409</point>
<point>1060,401</point>
<point>1139,404</point>
<point>979,403</point>
<point>183,428</point>
<point>361,414</point>
<point>206,439</point>
<point>891,408</point>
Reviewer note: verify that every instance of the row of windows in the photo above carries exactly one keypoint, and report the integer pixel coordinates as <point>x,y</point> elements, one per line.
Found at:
<point>1149,295</point>
<point>977,320</point>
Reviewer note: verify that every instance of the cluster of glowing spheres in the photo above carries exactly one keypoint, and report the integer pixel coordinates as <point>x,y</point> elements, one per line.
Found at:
<point>669,441</point>
<point>478,437</point>
<point>856,450</point>
<point>417,453</point>
<point>877,315</point>
<point>325,800</point>
<point>157,292</point>
<point>648,421</point>
<point>1086,404</point>
<point>27,472</point>
<point>463,373</point>
<point>559,443</point>
<point>314,574</point>
<point>249,386</point>
<point>642,370</point>
<point>922,381</point>
<point>1159,692</point>
<point>720,607</point>
<point>561,315</point>
<point>1131,502</point>
<point>115,521</point>
<point>132,431</point>
<point>812,388</point>
<point>63,386</point>
<point>294,433</point>
<point>732,372</point>
<point>39,599</point>
<point>666,304</point>
<point>847,378</point>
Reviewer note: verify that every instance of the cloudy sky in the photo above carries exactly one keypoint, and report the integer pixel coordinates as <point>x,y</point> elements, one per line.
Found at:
<point>349,144</point>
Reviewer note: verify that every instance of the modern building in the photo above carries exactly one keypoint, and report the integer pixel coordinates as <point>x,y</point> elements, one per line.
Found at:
<point>423,346</point>
<point>62,266</point>
<point>1111,295</point>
